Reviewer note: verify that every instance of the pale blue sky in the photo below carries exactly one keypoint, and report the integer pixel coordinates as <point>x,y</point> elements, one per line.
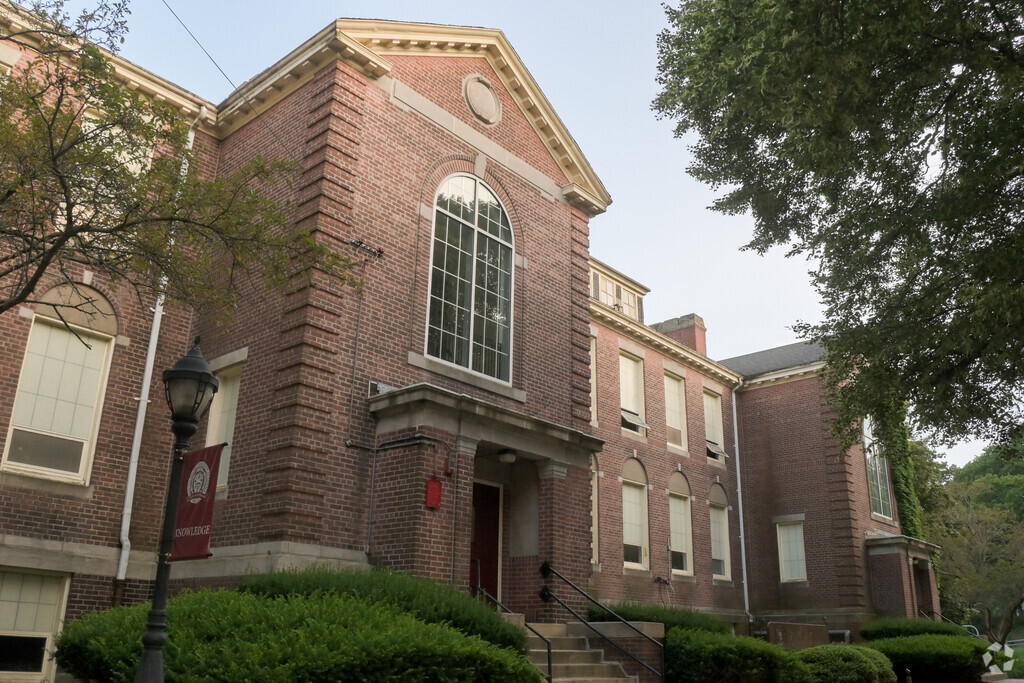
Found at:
<point>596,62</point>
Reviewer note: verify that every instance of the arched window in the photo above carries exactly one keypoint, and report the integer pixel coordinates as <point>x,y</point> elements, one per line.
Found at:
<point>63,380</point>
<point>718,503</point>
<point>680,536</point>
<point>470,318</point>
<point>635,545</point>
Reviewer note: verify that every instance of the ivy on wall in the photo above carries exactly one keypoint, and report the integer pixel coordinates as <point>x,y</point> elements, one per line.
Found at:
<point>891,430</point>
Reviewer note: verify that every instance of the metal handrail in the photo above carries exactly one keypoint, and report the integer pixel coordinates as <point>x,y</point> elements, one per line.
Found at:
<point>547,641</point>
<point>547,595</point>
<point>931,613</point>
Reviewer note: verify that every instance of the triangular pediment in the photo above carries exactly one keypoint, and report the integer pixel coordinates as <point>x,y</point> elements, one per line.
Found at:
<point>367,45</point>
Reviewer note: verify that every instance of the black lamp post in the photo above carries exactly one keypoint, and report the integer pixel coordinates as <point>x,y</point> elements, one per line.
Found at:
<point>190,386</point>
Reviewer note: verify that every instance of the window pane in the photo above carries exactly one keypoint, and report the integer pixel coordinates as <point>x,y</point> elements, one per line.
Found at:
<point>878,485</point>
<point>632,553</point>
<point>791,552</point>
<point>60,384</point>
<point>713,418</point>
<point>632,509</point>
<point>679,530</point>
<point>28,614</point>
<point>679,561</point>
<point>719,540</point>
<point>22,653</point>
<point>675,414</point>
<point>472,271</point>
<point>631,384</point>
<point>45,450</point>
<point>457,197</point>
<point>221,418</point>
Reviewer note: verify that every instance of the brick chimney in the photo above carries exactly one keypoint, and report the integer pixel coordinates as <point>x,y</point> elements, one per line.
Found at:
<point>688,330</point>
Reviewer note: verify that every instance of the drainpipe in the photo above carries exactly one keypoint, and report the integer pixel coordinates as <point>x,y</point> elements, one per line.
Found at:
<point>739,498</point>
<point>140,415</point>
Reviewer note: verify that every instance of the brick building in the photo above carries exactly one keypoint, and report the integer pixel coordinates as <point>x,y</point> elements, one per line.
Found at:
<point>780,528</point>
<point>488,400</point>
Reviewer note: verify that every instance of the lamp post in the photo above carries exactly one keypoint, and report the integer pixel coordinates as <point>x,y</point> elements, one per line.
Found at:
<point>190,386</point>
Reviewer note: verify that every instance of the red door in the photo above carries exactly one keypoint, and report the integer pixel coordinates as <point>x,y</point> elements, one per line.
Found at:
<point>484,551</point>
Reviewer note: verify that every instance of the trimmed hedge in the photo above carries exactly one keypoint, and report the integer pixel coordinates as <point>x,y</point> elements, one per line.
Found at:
<point>896,627</point>
<point>695,656</point>
<point>428,600</point>
<point>930,657</point>
<point>847,664</point>
<point>231,636</point>
<point>672,617</point>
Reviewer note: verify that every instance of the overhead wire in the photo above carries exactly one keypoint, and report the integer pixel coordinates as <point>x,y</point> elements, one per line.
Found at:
<point>245,99</point>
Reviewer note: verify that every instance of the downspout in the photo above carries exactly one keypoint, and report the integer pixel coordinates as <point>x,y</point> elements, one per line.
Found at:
<point>140,415</point>
<point>739,498</point>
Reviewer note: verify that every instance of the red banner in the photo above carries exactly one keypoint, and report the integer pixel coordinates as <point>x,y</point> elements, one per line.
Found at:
<point>195,504</point>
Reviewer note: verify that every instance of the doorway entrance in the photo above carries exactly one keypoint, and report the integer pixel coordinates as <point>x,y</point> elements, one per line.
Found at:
<point>485,546</point>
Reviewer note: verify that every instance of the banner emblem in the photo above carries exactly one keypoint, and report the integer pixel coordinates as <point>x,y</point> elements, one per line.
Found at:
<point>195,504</point>
<point>198,482</point>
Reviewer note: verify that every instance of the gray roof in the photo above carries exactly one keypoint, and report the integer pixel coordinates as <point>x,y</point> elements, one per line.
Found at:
<point>779,358</point>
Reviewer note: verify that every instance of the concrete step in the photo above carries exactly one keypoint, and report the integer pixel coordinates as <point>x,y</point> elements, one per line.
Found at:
<point>561,672</point>
<point>558,643</point>
<point>573,661</point>
<point>566,657</point>
<point>549,630</point>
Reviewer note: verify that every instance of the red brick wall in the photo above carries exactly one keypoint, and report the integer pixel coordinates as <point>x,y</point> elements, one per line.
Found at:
<point>301,462</point>
<point>441,78</point>
<point>792,465</point>
<point>891,592</point>
<point>367,166</point>
<point>611,582</point>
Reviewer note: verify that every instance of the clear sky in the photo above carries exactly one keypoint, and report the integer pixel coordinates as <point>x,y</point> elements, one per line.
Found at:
<point>596,62</point>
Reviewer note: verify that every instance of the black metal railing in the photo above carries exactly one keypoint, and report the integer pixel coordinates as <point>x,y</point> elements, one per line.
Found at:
<point>480,590</point>
<point>931,614</point>
<point>547,595</point>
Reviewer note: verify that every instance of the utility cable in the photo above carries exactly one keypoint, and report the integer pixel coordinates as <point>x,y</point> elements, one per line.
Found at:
<point>245,99</point>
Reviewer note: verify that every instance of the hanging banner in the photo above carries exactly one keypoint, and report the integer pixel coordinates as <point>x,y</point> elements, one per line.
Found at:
<point>195,504</point>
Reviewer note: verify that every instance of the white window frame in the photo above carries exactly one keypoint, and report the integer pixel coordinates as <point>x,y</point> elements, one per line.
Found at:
<point>677,385</point>
<point>89,443</point>
<point>617,297</point>
<point>714,432</point>
<point>792,551</point>
<point>638,489</point>
<point>879,489</point>
<point>49,665</point>
<point>593,380</point>
<point>680,531</point>
<point>631,393</point>
<point>230,378</point>
<point>720,544</point>
<point>477,232</point>
<point>595,511</point>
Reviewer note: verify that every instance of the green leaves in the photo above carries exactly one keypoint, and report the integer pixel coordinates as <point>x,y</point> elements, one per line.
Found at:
<point>231,636</point>
<point>884,141</point>
<point>97,175</point>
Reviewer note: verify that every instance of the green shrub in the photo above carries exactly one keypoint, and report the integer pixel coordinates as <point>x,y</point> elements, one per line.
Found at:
<point>1018,666</point>
<point>672,617</point>
<point>428,600</point>
<point>694,656</point>
<point>847,664</point>
<point>896,627</point>
<point>230,636</point>
<point>932,657</point>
